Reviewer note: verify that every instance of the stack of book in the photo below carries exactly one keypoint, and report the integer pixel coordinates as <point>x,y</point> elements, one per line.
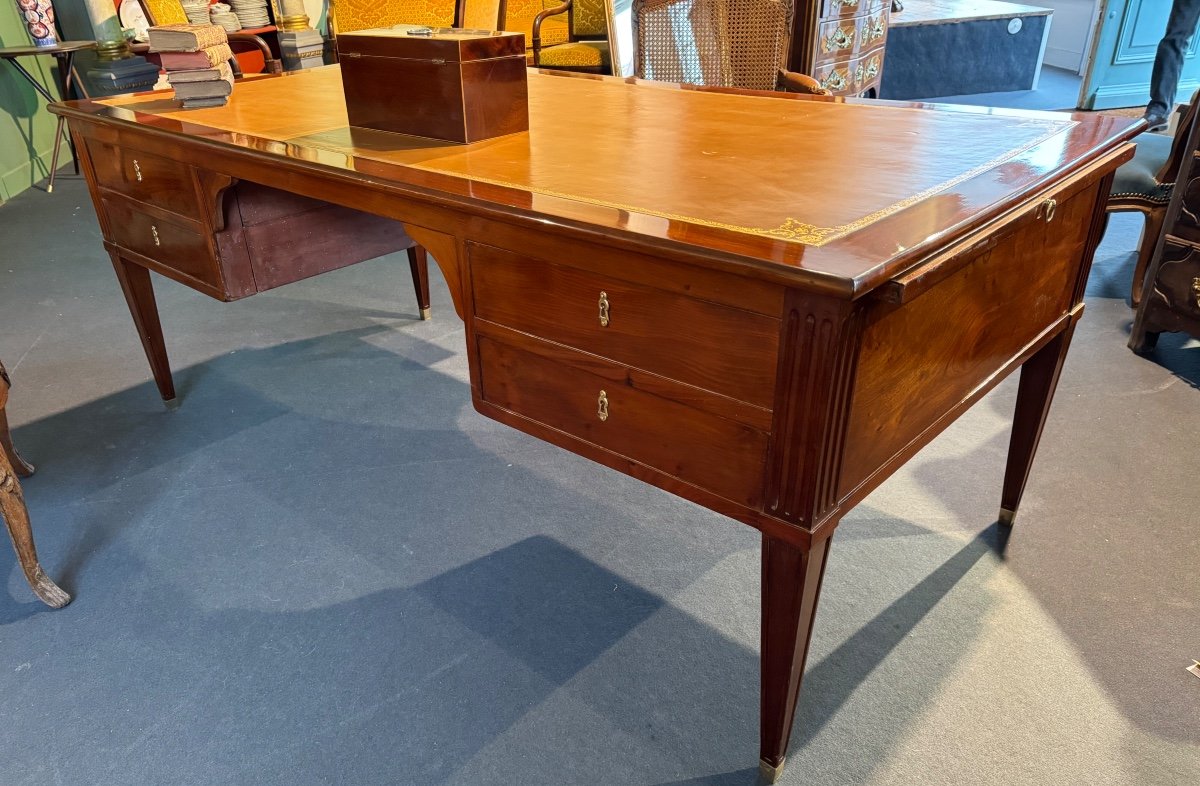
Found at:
<point>196,59</point>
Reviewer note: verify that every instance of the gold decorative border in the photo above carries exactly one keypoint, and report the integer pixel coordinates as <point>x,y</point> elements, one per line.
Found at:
<point>791,230</point>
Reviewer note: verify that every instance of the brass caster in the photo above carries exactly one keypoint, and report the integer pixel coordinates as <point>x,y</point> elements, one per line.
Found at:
<point>769,772</point>
<point>1007,516</point>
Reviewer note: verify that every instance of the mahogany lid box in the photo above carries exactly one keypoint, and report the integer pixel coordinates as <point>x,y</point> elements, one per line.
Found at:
<point>441,83</point>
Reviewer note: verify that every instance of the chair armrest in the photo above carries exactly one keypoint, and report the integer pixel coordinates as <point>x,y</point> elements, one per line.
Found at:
<point>537,28</point>
<point>792,82</point>
<point>272,65</point>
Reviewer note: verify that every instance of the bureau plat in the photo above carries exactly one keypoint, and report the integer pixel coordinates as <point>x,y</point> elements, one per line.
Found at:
<point>764,304</point>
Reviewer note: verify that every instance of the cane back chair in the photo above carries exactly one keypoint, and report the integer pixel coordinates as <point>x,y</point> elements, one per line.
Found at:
<point>1145,184</point>
<point>346,16</point>
<point>717,43</point>
<point>586,48</point>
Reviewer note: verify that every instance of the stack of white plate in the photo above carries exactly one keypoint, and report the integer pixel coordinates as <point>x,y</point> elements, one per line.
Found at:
<point>223,16</point>
<point>197,11</point>
<point>253,13</point>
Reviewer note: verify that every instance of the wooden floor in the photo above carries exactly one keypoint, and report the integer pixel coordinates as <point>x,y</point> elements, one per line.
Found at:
<point>933,12</point>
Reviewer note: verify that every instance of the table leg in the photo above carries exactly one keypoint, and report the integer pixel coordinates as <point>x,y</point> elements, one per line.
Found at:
<point>1039,378</point>
<point>139,295</point>
<point>418,262</point>
<point>16,515</point>
<point>791,585</point>
<point>66,75</point>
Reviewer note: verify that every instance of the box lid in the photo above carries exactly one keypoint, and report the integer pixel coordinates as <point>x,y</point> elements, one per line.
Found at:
<point>452,45</point>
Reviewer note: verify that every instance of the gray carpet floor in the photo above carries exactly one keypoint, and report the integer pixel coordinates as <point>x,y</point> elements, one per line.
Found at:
<point>324,567</point>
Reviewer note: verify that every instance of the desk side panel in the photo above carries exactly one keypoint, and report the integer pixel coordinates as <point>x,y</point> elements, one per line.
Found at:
<point>924,358</point>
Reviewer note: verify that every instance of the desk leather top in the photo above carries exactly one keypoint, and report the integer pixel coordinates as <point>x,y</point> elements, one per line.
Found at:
<point>840,191</point>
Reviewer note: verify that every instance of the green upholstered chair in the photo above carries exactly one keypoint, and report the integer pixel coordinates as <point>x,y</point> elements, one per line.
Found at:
<point>586,48</point>
<point>1144,185</point>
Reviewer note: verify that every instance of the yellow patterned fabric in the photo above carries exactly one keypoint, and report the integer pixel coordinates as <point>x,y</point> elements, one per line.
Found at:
<point>350,15</point>
<point>590,21</point>
<point>519,16</point>
<point>580,54</point>
<point>165,12</point>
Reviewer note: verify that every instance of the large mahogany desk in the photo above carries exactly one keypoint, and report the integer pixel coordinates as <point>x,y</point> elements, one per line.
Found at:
<point>762,304</point>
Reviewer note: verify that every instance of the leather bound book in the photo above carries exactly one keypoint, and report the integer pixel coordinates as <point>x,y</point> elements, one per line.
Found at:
<point>190,61</point>
<point>441,83</point>
<point>220,71</point>
<point>216,88</point>
<point>185,38</point>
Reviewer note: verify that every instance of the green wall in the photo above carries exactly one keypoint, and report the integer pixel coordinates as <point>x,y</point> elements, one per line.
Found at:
<point>26,128</point>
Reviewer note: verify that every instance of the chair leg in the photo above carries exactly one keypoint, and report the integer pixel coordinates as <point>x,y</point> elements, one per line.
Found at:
<point>418,262</point>
<point>1154,226</point>
<point>16,515</point>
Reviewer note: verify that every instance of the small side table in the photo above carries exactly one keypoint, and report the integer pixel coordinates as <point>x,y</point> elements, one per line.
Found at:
<point>64,53</point>
<point>15,515</point>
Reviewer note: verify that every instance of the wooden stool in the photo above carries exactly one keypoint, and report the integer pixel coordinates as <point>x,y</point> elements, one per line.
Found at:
<point>14,513</point>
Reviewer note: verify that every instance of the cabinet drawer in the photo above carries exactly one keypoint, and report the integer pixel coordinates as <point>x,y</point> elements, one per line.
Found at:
<point>839,39</point>
<point>145,177</point>
<point>707,451</point>
<point>851,76</point>
<point>842,9</point>
<point>174,245</point>
<point>710,346</point>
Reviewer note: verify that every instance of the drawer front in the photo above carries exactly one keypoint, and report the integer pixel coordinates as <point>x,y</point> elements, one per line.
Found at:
<point>711,452</point>
<point>718,348</point>
<point>1178,278</point>
<point>844,9</point>
<point>148,178</point>
<point>175,246</point>
<point>841,38</point>
<point>853,75</point>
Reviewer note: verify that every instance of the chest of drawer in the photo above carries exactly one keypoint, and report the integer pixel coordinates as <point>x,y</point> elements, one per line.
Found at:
<point>154,180</point>
<point>1178,278</point>
<point>173,243</point>
<point>843,9</point>
<point>708,345</point>
<point>599,403</point>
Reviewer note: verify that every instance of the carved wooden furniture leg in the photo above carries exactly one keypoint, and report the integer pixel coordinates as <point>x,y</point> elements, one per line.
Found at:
<point>1039,378</point>
<point>139,295</point>
<point>418,261</point>
<point>22,467</point>
<point>791,585</point>
<point>16,516</point>
<point>1154,227</point>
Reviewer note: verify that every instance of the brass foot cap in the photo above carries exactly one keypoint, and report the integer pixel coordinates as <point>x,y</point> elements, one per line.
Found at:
<point>50,189</point>
<point>426,313</point>
<point>1007,516</point>
<point>770,772</point>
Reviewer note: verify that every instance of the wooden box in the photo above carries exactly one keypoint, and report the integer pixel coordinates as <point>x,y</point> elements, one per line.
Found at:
<point>453,85</point>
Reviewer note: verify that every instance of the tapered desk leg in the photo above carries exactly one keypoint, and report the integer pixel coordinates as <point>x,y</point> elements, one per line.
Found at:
<point>418,261</point>
<point>791,585</point>
<point>15,514</point>
<point>1039,378</point>
<point>139,295</point>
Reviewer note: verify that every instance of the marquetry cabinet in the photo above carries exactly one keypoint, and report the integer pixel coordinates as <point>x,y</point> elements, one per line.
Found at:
<point>841,43</point>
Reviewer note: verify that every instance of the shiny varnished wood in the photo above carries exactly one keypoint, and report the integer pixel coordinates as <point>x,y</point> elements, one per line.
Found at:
<point>695,289</point>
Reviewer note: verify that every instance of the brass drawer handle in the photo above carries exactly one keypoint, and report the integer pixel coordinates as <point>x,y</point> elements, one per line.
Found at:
<point>1196,290</point>
<point>838,39</point>
<point>1046,210</point>
<point>154,232</point>
<point>602,406</point>
<point>603,309</point>
<point>137,170</point>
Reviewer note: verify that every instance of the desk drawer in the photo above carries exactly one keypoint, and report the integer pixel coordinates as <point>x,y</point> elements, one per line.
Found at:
<point>714,347</point>
<point>145,177</point>
<point>720,455</point>
<point>174,245</point>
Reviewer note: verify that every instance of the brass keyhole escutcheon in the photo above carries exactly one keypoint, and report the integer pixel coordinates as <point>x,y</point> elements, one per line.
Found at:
<point>602,406</point>
<point>154,232</point>
<point>1048,208</point>
<point>1196,290</point>
<point>603,309</point>
<point>137,170</point>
